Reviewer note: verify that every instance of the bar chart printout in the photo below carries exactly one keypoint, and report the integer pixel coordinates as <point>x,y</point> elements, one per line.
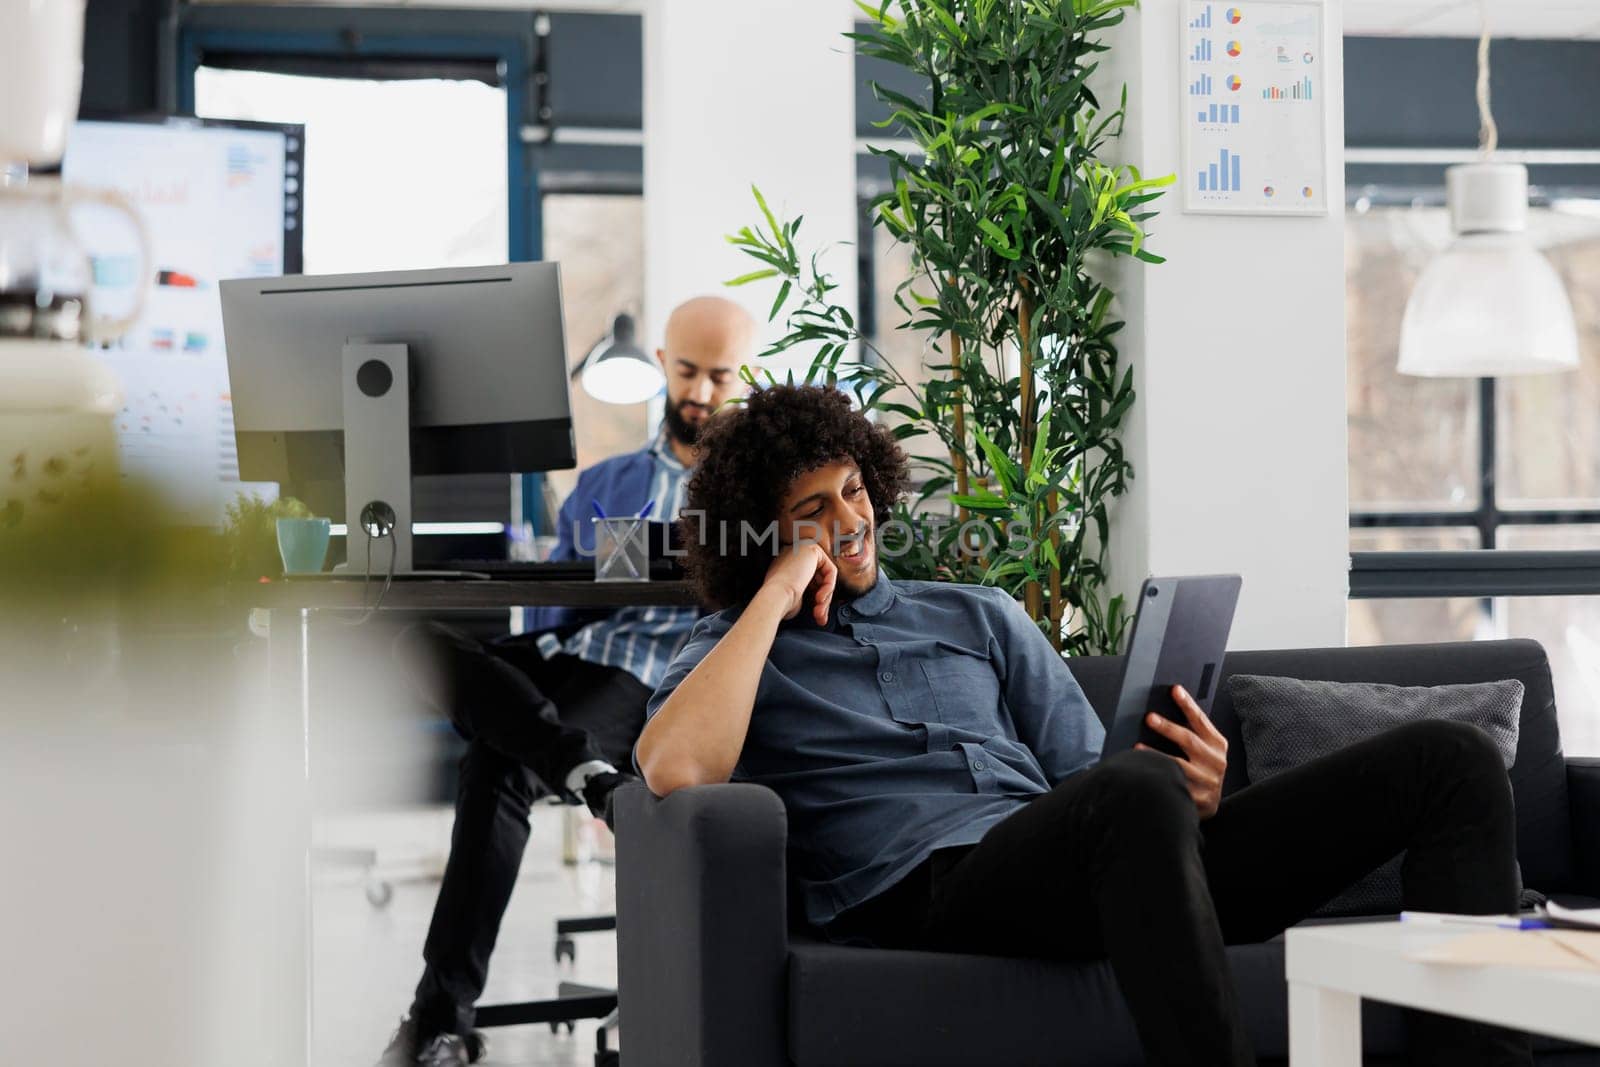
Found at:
<point>1252,93</point>
<point>1221,176</point>
<point>1301,90</point>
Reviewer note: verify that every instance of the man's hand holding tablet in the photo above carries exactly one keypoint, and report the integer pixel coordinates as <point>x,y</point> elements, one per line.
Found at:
<point>1205,750</point>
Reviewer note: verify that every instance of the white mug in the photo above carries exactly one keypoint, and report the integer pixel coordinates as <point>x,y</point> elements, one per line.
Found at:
<point>41,75</point>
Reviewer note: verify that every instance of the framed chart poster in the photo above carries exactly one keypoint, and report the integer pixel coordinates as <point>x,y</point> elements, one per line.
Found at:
<point>1253,107</point>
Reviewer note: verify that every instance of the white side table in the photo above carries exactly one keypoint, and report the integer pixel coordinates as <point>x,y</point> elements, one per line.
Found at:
<point>1331,968</point>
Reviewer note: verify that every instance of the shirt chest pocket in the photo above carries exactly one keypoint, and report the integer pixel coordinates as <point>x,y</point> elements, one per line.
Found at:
<point>964,693</point>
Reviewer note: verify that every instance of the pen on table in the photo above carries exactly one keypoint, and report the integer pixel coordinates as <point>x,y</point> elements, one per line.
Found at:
<point>1502,922</point>
<point>599,511</point>
<point>649,506</point>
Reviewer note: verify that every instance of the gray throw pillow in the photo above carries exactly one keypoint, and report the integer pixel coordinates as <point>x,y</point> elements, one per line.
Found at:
<point>1289,721</point>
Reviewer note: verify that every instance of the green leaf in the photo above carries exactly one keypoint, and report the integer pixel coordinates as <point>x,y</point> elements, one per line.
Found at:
<point>753,276</point>
<point>946,20</point>
<point>999,462</point>
<point>777,305</point>
<point>772,223</point>
<point>879,14</point>
<point>1036,466</point>
<point>1048,550</point>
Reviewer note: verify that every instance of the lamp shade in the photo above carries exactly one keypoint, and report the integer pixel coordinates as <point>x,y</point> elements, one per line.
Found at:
<point>618,371</point>
<point>1489,305</point>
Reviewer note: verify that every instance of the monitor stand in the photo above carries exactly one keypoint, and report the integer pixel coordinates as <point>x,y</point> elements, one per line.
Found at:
<point>377,458</point>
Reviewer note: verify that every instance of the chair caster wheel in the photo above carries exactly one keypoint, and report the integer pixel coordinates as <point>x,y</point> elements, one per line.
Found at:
<point>566,948</point>
<point>608,1058</point>
<point>379,894</point>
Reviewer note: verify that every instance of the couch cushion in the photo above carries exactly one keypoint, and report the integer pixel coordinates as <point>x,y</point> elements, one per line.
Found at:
<point>852,1005</point>
<point>1288,722</point>
<point>1538,778</point>
<point>865,1006</point>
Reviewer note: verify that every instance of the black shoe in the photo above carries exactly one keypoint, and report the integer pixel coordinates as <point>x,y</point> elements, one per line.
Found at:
<point>598,790</point>
<point>403,1050</point>
<point>445,1050</point>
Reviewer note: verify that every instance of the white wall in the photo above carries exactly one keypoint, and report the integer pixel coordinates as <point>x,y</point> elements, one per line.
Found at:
<point>1238,435</point>
<point>739,92</point>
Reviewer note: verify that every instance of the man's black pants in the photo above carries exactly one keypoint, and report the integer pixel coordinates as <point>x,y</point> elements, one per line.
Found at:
<point>527,721</point>
<point>1115,863</point>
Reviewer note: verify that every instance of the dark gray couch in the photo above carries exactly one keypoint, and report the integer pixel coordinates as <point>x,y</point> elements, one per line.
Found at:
<point>713,976</point>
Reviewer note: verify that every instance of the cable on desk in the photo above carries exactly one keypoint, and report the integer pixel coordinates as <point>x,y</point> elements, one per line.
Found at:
<point>366,581</point>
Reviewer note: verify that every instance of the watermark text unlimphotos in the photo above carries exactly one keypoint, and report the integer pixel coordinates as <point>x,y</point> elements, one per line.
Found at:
<point>893,539</point>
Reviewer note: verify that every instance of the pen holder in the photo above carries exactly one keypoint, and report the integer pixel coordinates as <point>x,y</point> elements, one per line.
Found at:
<point>621,550</point>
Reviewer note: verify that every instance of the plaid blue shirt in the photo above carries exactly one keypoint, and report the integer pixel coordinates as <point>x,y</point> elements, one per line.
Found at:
<point>639,640</point>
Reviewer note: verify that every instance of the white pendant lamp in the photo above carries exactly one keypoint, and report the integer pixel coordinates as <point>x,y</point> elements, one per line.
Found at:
<point>617,370</point>
<point>1490,304</point>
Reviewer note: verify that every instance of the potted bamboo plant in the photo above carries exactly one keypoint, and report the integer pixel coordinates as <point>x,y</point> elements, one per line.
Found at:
<point>1007,209</point>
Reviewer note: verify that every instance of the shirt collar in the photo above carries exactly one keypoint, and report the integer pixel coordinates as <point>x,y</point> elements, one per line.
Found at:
<point>874,601</point>
<point>661,451</point>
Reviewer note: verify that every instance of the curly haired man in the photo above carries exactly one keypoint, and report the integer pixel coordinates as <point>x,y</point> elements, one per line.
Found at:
<point>941,768</point>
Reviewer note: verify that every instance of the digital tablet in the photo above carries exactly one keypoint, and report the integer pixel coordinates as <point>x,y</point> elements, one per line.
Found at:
<point>1179,635</point>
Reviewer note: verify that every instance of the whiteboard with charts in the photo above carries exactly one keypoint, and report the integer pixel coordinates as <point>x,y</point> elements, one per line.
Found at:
<point>1253,107</point>
<point>219,200</point>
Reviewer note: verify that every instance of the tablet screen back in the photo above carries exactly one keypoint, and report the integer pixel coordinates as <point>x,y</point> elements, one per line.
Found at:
<point>1179,636</point>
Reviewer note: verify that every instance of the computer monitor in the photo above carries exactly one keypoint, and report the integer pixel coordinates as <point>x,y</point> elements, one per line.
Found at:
<point>345,385</point>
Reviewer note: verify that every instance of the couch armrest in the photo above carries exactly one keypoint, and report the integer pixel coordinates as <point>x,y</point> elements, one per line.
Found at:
<point>1583,801</point>
<point>702,932</point>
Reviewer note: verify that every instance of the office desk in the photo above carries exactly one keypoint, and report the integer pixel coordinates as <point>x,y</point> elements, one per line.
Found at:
<point>293,606</point>
<point>464,594</point>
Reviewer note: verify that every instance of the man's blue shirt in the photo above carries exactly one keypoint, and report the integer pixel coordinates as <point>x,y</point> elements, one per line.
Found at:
<point>639,640</point>
<point>920,716</point>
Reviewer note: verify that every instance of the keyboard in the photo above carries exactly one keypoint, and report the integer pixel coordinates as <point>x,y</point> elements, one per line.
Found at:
<point>566,570</point>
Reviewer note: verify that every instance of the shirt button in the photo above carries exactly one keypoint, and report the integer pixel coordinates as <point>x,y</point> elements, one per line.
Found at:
<point>977,765</point>
<point>844,614</point>
<point>887,676</point>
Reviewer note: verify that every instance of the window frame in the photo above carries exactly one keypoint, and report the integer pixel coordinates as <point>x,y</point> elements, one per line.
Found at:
<point>510,51</point>
<point>1487,572</point>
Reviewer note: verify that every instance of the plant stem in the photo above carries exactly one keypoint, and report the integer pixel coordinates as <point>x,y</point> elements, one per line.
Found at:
<point>958,451</point>
<point>1051,506</point>
<point>1032,594</point>
<point>1027,428</point>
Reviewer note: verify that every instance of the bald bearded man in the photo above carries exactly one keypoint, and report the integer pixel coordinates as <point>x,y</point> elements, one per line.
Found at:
<point>561,706</point>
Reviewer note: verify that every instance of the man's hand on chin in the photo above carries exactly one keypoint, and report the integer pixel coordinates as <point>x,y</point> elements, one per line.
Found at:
<point>804,571</point>
<point>1204,748</point>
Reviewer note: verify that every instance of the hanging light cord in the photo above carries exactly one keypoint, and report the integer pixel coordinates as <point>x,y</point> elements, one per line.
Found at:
<point>1488,132</point>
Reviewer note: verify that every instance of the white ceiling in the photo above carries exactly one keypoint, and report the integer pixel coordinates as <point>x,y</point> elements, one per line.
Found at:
<point>1568,19</point>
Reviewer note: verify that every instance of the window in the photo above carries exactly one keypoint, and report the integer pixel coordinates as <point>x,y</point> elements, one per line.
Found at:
<point>1448,453</point>
<point>399,174</point>
<point>1413,441</point>
<point>1446,465</point>
<point>599,242</point>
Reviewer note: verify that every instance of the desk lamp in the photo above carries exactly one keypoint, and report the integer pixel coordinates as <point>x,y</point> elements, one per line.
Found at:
<point>618,371</point>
